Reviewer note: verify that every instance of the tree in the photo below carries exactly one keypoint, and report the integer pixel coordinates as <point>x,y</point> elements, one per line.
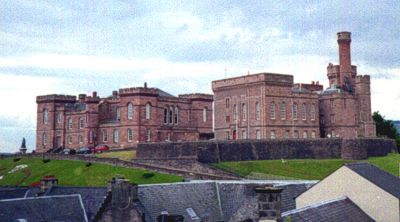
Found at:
<point>385,128</point>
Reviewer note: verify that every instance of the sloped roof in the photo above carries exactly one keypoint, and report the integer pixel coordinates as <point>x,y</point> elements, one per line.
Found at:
<point>380,178</point>
<point>342,209</point>
<point>12,192</point>
<point>66,208</point>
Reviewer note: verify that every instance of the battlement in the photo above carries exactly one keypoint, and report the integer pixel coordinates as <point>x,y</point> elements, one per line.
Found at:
<point>56,98</point>
<point>363,79</point>
<point>197,96</point>
<point>138,91</point>
<point>333,69</point>
<point>313,87</point>
<point>344,36</point>
<point>268,78</point>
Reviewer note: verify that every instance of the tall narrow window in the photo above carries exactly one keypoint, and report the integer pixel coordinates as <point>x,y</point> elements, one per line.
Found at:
<point>148,134</point>
<point>59,117</point>
<point>130,111</point>
<point>294,111</point>
<point>70,123</point>
<point>273,136</point>
<point>234,112</point>
<point>44,138</point>
<point>188,115</point>
<point>148,110</point>
<point>304,112</point>
<point>258,134</point>
<point>80,122</point>
<point>116,136</point>
<point>90,136</point>
<point>227,102</point>
<point>45,116</point>
<point>296,134</point>
<point>272,113</point>
<point>118,114</point>
<point>331,102</point>
<point>69,139</point>
<point>305,135</point>
<point>171,115</point>
<point>312,111</point>
<point>80,139</point>
<point>105,135</point>
<point>205,114</point>
<point>166,115</point>
<point>332,118</point>
<point>283,110</point>
<point>244,111</point>
<point>244,135</point>
<point>258,111</point>
<point>130,135</point>
<point>176,115</point>
<point>287,134</point>
<point>313,134</point>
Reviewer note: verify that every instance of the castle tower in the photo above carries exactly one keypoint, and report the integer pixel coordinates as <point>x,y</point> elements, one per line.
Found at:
<point>346,76</point>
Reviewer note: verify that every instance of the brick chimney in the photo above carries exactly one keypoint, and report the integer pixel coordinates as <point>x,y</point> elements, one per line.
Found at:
<point>46,182</point>
<point>82,98</point>
<point>123,193</point>
<point>269,203</point>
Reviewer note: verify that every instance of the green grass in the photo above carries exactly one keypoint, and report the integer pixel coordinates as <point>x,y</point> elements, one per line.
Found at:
<point>309,169</point>
<point>74,173</point>
<point>122,155</point>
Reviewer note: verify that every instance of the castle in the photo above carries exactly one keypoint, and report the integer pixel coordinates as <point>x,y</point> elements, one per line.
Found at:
<point>257,106</point>
<point>127,117</point>
<point>269,106</point>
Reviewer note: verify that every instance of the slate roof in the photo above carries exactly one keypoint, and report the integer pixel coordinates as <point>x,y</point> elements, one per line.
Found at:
<point>342,209</point>
<point>12,192</point>
<point>380,178</point>
<point>289,194</point>
<point>66,208</point>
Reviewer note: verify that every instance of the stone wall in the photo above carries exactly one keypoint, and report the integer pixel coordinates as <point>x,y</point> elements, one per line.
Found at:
<point>240,150</point>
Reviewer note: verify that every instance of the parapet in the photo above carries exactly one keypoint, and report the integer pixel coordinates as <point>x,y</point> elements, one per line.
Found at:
<point>56,98</point>
<point>269,78</point>
<point>139,91</point>
<point>197,96</point>
<point>363,79</point>
<point>313,87</point>
<point>333,69</point>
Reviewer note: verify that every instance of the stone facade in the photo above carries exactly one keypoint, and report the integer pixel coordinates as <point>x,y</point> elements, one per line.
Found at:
<point>125,118</point>
<point>269,106</point>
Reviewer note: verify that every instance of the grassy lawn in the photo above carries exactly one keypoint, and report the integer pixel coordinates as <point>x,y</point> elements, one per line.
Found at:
<point>302,169</point>
<point>74,173</point>
<point>122,155</point>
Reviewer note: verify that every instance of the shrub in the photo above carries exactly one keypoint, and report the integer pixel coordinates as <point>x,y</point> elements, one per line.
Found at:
<point>17,159</point>
<point>88,164</point>
<point>46,160</point>
<point>148,175</point>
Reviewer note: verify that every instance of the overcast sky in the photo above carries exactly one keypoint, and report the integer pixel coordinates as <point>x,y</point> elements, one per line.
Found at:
<point>72,47</point>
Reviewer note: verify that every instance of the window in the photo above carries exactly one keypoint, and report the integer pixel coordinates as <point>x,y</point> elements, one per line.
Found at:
<point>234,112</point>
<point>244,111</point>
<point>227,135</point>
<point>59,117</point>
<point>313,135</point>
<point>118,114</point>
<point>176,115</point>
<point>283,110</point>
<point>258,134</point>
<point>80,139</point>
<point>305,135</point>
<point>130,135</point>
<point>296,134</point>
<point>333,133</point>
<point>227,119</point>
<point>45,116</point>
<point>90,136</point>
<point>312,111</point>
<point>166,115</point>
<point>205,114</point>
<point>44,138</point>
<point>304,112</point>
<point>171,115</point>
<point>148,110</point>
<point>294,111</point>
<point>188,115</point>
<point>87,117</point>
<point>130,111</point>
<point>331,103</point>
<point>272,110</point>
<point>69,139</point>
<point>287,134</point>
<point>116,136</point>
<point>332,119</point>
<point>244,135</point>
<point>257,111</point>
<point>227,102</point>
<point>105,135</point>
<point>70,123</point>
<point>148,134</point>
<point>273,136</point>
<point>80,122</point>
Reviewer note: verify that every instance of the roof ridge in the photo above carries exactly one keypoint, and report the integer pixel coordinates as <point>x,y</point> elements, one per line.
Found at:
<point>287,213</point>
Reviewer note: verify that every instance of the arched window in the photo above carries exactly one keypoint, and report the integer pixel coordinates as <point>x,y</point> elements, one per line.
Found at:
<point>176,115</point>
<point>118,114</point>
<point>69,123</point>
<point>44,138</point>
<point>80,122</point>
<point>283,110</point>
<point>166,115</point>
<point>294,111</point>
<point>257,111</point>
<point>130,111</point>
<point>234,112</point>
<point>130,135</point>
<point>272,113</point>
<point>171,115</point>
<point>205,114</point>
<point>45,116</point>
<point>105,135</point>
<point>80,139</point>
<point>304,111</point>
<point>312,111</point>
<point>244,111</point>
<point>116,136</point>
<point>148,110</point>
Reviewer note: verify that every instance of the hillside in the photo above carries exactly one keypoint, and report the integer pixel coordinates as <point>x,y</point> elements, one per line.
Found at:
<point>73,173</point>
<point>302,169</point>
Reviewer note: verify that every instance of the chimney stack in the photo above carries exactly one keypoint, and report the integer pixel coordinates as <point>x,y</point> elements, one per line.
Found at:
<point>94,94</point>
<point>123,193</point>
<point>269,203</point>
<point>82,98</point>
<point>46,182</point>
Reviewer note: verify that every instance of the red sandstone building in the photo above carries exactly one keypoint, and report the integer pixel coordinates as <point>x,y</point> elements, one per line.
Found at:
<point>125,118</point>
<point>268,105</point>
